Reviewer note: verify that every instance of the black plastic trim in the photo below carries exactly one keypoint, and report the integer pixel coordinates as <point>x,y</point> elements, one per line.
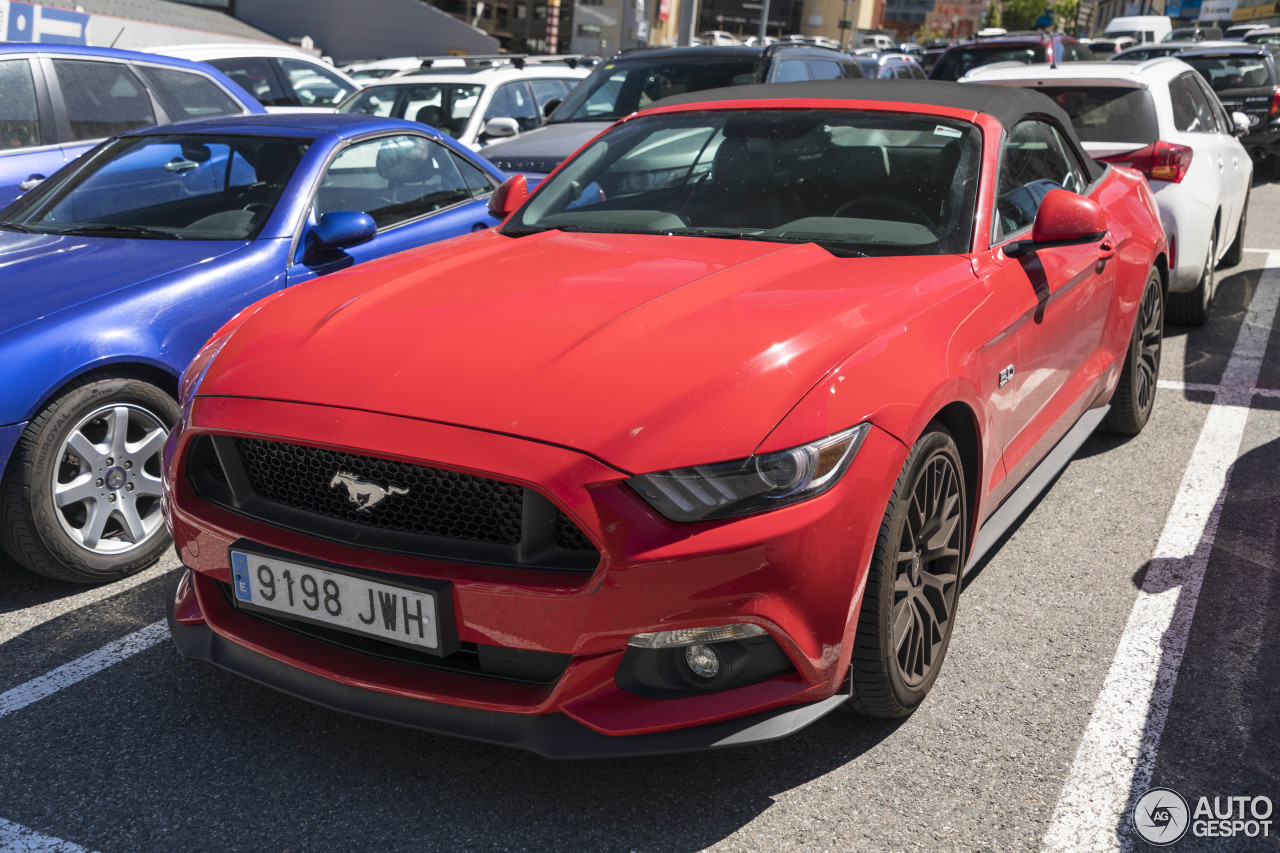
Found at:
<point>549,735</point>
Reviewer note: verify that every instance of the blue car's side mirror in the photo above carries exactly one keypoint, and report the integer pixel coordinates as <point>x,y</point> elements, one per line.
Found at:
<point>342,229</point>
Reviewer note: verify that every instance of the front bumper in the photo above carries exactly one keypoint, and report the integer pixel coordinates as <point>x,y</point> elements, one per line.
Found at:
<point>797,572</point>
<point>549,735</point>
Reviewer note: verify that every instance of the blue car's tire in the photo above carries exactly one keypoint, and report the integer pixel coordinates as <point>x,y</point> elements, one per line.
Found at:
<point>80,499</point>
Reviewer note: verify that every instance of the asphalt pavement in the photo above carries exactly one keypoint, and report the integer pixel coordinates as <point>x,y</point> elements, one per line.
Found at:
<point>1123,638</point>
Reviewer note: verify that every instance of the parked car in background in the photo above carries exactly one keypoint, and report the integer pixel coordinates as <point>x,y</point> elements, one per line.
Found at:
<point>1033,49</point>
<point>377,69</point>
<point>279,76</point>
<point>742,417</point>
<point>1159,117</point>
<point>1269,35</point>
<point>632,81</point>
<point>888,66</point>
<point>474,106</point>
<point>1196,33</point>
<point>120,266</point>
<point>1238,32</point>
<point>1105,48</point>
<point>58,101</point>
<point>1245,79</point>
<point>1143,28</point>
<point>1167,48</point>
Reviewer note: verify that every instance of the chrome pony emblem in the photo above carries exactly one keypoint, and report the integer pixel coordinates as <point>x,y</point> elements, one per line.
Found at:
<point>364,494</point>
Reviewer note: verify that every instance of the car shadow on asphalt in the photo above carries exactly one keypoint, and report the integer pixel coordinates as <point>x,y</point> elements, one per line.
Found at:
<point>1215,733</point>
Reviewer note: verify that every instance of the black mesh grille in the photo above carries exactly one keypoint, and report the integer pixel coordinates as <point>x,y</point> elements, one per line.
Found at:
<point>569,537</point>
<point>434,503</point>
<point>382,505</point>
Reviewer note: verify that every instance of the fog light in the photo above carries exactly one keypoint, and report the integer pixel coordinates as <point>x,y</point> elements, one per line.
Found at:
<point>703,661</point>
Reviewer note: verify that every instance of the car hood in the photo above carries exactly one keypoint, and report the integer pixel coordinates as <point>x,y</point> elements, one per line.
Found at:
<point>41,274</point>
<point>543,149</point>
<point>648,352</point>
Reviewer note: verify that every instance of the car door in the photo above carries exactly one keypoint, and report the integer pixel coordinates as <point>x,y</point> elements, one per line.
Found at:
<point>1228,153</point>
<point>416,189</point>
<point>1061,296</point>
<point>28,153</point>
<point>1197,116</point>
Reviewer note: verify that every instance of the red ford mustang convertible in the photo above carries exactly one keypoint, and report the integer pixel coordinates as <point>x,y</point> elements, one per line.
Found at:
<point>692,450</point>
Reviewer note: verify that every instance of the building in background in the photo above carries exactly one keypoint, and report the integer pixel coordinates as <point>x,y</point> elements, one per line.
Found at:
<point>1256,12</point>
<point>1096,23</point>
<point>742,17</point>
<point>957,19</point>
<point>825,17</point>
<point>137,25</point>
<point>904,17</point>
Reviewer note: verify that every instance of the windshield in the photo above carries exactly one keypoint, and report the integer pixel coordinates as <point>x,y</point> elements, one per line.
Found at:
<point>618,89</point>
<point>174,187</point>
<point>1231,72</point>
<point>1107,113</point>
<point>444,106</point>
<point>852,182</point>
<point>957,62</point>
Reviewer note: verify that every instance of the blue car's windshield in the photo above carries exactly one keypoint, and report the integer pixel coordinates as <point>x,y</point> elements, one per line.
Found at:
<point>176,186</point>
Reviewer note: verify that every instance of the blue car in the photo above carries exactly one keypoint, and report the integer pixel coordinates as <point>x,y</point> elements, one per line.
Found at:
<point>58,101</point>
<point>115,270</point>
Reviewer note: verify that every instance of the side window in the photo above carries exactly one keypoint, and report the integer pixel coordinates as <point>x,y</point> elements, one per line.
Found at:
<point>545,90</point>
<point>476,180</point>
<point>512,100</point>
<point>825,69</point>
<point>19,120</point>
<point>187,95</point>
<point>790,70</point>
<point>102,98</point>
<point>256,76</point>
<point>1035,160</point>
<point>394,179</point>
<point>1192,112</point>
<point>1219,113</point>
<point>313,85</point>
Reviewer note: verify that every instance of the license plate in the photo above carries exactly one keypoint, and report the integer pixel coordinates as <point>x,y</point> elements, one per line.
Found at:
<point>394,614</point>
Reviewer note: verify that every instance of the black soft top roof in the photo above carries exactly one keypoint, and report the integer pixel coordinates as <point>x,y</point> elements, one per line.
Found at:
<point>1006,104</point>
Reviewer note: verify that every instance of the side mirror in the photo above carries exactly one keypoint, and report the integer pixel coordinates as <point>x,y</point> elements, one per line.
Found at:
<point>1064,219</point>
<point>507,199</point>
<point>500,128</point>
<point>342,229</point>
<point>550,106</point>
<point>1242,124</point>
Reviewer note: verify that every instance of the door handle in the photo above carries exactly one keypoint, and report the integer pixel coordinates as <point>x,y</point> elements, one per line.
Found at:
<point>30,182</point>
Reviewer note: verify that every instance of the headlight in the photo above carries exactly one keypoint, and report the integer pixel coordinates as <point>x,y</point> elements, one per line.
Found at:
<point>754,484</point>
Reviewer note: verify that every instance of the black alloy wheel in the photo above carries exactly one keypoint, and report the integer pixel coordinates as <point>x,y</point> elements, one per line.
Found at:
<point>908,609</point>
<point>1135,394</point>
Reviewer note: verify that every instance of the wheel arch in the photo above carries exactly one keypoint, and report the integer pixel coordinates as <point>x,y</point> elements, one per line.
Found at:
<point>962,422</point>
<point>153,373</point>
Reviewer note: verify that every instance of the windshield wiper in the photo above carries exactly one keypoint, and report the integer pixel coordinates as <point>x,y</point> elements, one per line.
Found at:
<point>15,226</point>
<point>835,247</point>
<point>119,231</point>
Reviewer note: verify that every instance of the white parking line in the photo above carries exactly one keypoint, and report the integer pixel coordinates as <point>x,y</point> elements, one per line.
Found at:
<point>18,622</point>
<point>1118,748</point>
<point>15,838</point>
<point>81,668</point>
<point>1175,385</point>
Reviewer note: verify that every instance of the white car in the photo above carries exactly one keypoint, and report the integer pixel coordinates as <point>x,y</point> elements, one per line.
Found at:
<point>474,106</point>
<point>376,69</point>
<point>1162,119</point>
<point>279,76</point>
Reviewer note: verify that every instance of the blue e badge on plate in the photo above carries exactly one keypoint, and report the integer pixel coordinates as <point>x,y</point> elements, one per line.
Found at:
<point>240,576</point>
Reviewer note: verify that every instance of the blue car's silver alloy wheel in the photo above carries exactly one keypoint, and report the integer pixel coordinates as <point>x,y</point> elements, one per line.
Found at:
<point>107,484</point>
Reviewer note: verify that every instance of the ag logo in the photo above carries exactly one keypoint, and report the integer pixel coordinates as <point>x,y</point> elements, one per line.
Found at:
<point>1161,816</point>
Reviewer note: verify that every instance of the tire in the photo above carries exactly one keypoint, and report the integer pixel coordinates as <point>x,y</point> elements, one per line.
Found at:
<point>97,449</point>
<point>1136,393</point>
<point>908,609</point>
<point>1235,253</point>
<point>1192,309</point>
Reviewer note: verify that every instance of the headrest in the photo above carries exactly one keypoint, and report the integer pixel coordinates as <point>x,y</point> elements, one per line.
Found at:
<point>737,168</point>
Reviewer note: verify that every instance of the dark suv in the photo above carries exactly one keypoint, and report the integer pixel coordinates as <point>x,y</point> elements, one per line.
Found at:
<point>1027,49</point>
<point>1245,79</point>
<point>632,81</point>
